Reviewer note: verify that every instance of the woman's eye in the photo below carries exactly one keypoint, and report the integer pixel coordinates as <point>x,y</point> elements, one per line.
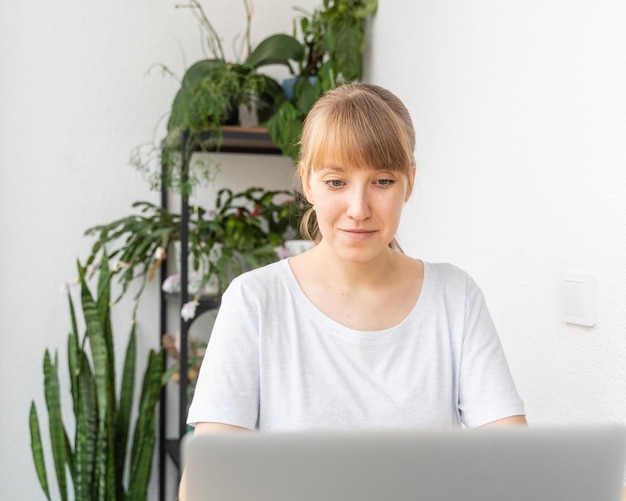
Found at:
<point>385,182</point>
<point>334,183</point>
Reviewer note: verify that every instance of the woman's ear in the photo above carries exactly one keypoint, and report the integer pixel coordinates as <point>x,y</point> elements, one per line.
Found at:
<point>410,185</point>
<point>306,185</point>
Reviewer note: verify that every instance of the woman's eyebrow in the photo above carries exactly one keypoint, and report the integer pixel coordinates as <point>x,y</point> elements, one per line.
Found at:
<point>335,168</point>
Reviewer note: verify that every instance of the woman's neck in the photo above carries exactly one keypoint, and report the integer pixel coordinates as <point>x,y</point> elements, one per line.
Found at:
<point>343,273</point>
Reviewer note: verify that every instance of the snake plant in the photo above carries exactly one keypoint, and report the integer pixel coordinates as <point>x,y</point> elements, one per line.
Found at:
<point>100,459</point>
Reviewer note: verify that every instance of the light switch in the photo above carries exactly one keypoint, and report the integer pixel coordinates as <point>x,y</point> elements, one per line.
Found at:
<point>578,299</point>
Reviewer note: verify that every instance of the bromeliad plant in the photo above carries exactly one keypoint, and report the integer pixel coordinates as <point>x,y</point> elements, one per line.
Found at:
<point>98,456</point>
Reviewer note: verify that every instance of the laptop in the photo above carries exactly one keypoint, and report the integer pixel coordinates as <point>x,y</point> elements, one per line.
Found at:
<point>570,463</point>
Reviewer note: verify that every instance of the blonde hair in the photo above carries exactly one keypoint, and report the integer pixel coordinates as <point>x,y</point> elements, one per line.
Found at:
<point>360,125</point>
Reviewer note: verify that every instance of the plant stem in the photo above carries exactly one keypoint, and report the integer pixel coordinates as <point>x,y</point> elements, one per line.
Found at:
<point>215,44</point>
<point>249,14</point>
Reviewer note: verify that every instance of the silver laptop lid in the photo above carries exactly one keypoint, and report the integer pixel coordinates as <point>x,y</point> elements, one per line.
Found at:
<point>500,464</point>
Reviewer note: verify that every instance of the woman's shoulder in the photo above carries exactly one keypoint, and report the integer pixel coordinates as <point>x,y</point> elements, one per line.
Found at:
<point>264,282</point>
<point>261,276</point>
<point>445,269</point>
<point>448,275</point>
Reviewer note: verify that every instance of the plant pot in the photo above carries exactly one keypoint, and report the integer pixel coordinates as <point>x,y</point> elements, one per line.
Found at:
<point>295,247</point>
<point>194,277</point>
<point>288,84</point>
<point>231,115</point>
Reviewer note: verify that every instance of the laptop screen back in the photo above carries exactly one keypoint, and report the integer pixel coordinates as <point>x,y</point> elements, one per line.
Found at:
<point>501,464</point>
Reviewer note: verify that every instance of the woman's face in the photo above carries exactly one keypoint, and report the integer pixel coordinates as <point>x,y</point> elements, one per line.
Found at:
<point>358,210</point>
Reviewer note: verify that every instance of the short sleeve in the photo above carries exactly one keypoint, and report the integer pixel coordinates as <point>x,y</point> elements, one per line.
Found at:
<point>227,390</point>
<point>486,388</point>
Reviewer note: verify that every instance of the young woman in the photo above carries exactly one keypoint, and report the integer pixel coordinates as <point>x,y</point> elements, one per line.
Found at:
<point>353,333</point>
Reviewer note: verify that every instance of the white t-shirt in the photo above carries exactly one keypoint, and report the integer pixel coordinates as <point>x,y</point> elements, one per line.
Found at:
<point>276,362</point>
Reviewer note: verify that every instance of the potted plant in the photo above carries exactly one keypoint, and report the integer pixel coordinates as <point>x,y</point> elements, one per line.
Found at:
<point>333,37</point>
<point>242,232</point>
<point>211,93</point>
<point>98,455</point>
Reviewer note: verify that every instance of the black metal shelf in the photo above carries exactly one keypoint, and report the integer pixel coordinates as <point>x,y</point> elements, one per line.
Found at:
<point>172,448</point>
<point>205,303</point>
<point>230,139</point>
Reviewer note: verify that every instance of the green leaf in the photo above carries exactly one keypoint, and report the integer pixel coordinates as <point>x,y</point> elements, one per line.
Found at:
<point>348,41</point>
<point>73,355</point>
<point>285,128</point>
<point>208,88</point>
<point>365,8</point>
<point>71,458</point>
<point>145,431</point>
<point>306,94</point>
<point>103,302</point>
<point>167,375</point>
<point>122,424</point>
<point>95,334</point>
<point>104,311</point>
<point>37,450</point>
<point>100,431</point>
<point>276,49</point>
<point>57,430</point>
<point>201,70</point>
<point>86,431</point>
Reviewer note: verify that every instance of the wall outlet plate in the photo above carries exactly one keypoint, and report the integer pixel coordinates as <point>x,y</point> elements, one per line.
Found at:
<point>578,294</point>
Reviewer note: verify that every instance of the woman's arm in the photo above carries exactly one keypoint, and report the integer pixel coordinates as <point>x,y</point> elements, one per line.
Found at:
<point>207,428</point>
<point>216,428</point>
<point>507,421</point>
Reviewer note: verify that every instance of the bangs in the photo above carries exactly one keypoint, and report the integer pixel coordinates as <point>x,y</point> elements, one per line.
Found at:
<point>356,133</point>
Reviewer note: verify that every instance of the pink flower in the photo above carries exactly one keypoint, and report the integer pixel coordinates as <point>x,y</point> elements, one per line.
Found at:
<point>171,284</point>
<point>282,252</point>
<point>188,311</point>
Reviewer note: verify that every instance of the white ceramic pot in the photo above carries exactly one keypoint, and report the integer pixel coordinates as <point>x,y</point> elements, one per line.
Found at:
<point>295,247</point>
<point>194,279</point>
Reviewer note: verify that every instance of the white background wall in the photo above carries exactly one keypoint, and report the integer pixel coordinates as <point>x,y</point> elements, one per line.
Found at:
<point>520,113</point>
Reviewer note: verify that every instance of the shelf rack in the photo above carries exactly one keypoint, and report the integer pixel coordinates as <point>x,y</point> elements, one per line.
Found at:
<point>233,139</point>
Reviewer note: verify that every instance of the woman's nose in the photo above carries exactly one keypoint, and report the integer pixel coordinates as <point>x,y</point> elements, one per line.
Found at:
<point>358,204</point>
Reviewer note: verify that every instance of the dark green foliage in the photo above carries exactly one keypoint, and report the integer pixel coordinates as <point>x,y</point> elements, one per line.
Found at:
<point>133,242</point>
<point>212,89</point>
<point>97,460</point>
<point>246,227</point>
<point>327,44</point>
<point>37,450</point>
<point>275,49</point>
<point>334,40</point>
<point>210,94</point>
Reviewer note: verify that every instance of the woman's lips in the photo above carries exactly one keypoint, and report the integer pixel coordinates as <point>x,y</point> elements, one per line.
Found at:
<point>357,233</point>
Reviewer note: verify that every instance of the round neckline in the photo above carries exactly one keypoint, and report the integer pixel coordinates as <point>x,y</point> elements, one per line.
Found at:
<point>415,311</point>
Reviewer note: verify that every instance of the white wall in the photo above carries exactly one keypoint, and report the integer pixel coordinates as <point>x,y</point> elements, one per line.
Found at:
<point>520,114</point>
<point>520,111</point>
